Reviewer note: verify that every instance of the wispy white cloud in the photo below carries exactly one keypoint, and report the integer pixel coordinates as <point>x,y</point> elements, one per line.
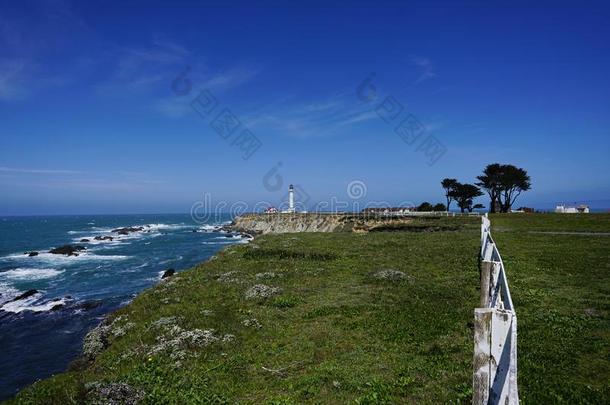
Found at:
<point>85,185</point>
<point>142,70</point>
<point>426,68</point>
<point>20,78</point>
<point>151,71</point>
<point>76,181</point>
<point>164,60</point>
<point>228,79</point>
<point>27,39</point>
<point>176,106</point>
<point>434,126</point>
<point>173,107</point>
<point>316,119</point>
<point>38,28</point>
<point>37,171</point>
<point>13,78</point>
<point>175,48</point>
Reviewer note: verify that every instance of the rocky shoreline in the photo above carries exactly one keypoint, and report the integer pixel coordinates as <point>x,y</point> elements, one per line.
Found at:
<point>96,340</point>
<point>248,226</point>
<point>74,250</point>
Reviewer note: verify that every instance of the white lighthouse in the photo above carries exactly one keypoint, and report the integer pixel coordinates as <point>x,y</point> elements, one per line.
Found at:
<point>291,208</point>
<point>291,198</point>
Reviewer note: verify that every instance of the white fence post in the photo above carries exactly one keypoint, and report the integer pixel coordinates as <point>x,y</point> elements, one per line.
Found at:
<point>494,378</point>
<point>482,356</point>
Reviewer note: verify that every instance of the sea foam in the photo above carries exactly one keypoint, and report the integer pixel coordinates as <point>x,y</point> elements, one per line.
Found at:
<point>51,258</point>
<point>32,303</point>
<point>30,273</point>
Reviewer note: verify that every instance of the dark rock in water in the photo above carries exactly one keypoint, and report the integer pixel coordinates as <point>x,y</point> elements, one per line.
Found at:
<point>87,305</point>
<point>224,228</point>
<point>168,273</point>
<point>69,250</point>
<point>110,238</point>
<point>25,295</point>
<point>59,304</point>
<point>84,240</point>
<point>128,229</point>
<point>31,254</point>
<point>195,230</point>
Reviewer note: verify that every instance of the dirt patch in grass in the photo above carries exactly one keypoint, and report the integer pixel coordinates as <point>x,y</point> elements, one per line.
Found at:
<point>390,275</point>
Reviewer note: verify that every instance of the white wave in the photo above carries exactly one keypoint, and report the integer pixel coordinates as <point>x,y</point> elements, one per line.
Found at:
<point>32,303</point>
<point>101,229</point>
<point>63,259</point>
<point>149,230</point>
<point>218,243</point>
<point>93,241</point>
<point>8,292</point>
<point>229,237</point>
<point>177,259</point>
<point>211,228</point>
<point>234,240</point>
<point>159,227</point>
<point>30,273</point>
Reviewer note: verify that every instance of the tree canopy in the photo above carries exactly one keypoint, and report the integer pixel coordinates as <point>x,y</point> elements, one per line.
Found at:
<point>448,185</point>
<point>439,207</point>
<point>503,184</point>
<point>464,195</point>
<point>425,206</point>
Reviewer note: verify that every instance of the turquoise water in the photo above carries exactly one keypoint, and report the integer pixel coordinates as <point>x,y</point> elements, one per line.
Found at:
<point>41,334</point>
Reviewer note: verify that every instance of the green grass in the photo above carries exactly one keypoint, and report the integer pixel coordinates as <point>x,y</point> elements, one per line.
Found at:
<point>337,334</point>
<point>560,285</point>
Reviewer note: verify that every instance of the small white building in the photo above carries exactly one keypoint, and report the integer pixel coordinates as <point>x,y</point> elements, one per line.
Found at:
<point>565,209</point>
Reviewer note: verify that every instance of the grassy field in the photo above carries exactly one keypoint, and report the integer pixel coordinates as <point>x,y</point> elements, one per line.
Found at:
<point>560,285</point>
<point>337,328</point>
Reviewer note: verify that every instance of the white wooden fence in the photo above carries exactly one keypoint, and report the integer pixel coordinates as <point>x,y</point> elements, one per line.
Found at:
<point>495,330</point>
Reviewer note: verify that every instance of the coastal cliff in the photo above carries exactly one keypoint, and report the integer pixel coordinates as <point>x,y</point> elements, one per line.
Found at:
<point>299,222</point>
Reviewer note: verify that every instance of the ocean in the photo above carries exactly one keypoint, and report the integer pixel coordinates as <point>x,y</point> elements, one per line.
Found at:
<point>41,334</point>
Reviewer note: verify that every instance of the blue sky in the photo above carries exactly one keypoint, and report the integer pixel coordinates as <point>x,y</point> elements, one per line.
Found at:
<point>94,116</point>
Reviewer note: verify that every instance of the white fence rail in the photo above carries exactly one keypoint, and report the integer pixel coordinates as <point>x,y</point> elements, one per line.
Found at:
<point>495,330</point>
